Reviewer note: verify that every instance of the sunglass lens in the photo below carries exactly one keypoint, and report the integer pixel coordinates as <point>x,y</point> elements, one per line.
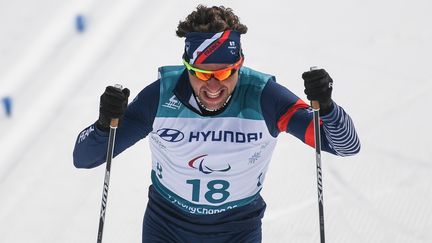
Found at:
<point>203,76</point>
<point>223,75</point>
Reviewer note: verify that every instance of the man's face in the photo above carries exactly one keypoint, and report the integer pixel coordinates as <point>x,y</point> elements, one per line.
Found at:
<point>213,93</point>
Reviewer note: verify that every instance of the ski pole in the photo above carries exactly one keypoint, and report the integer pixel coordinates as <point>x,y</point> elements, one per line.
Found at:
<point>111,139</point>
<point>317,135</point>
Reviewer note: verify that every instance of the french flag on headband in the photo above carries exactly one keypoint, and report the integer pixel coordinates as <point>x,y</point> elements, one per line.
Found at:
<point>222,47</point>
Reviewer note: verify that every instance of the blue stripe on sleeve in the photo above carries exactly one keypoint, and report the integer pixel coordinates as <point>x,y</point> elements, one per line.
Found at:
<point>340,132</point>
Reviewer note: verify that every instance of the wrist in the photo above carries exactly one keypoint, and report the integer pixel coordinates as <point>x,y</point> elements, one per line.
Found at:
<point>102,123</point>
<point>326,107</point>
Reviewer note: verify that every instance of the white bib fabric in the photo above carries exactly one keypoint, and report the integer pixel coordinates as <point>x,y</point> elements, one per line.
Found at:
<point>210,161</point>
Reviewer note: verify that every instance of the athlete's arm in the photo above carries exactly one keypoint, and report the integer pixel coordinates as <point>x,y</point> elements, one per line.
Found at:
<point>91,144</point>
<point>285,112</point>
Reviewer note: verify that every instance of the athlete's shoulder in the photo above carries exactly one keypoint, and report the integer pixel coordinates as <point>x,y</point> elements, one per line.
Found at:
<point>144,106</point>
<point>172,70</point>
<point>150,92</point>
<point>254,74</point>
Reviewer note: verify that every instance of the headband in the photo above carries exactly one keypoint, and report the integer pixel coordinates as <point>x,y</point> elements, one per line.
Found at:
<point>221,47</point>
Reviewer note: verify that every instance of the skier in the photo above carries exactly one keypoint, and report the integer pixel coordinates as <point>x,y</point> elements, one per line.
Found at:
<point>212,125</point>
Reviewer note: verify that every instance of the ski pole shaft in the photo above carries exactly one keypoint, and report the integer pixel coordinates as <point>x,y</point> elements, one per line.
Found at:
<point>317,137</point>
<point>111,140</point>
<point>110,150</point>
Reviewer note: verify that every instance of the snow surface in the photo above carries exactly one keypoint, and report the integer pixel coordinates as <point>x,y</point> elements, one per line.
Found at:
<point>378,53</point>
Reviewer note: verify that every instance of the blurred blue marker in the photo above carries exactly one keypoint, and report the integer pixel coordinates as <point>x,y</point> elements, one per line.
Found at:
<point>7,103</point>
<point>80,23</point>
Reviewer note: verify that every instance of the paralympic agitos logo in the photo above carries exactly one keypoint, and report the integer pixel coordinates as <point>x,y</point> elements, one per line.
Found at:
<point>203,168</point>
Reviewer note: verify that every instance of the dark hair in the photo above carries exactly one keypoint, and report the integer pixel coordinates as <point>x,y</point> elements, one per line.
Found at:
<point>210,19</point>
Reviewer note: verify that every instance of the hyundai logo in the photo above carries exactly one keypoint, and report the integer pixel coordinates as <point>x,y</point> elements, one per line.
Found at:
<point>170,135</point>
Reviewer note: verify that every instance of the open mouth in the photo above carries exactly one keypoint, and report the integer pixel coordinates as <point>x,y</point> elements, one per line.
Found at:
<point>212,100</point>
<point>211,95</point>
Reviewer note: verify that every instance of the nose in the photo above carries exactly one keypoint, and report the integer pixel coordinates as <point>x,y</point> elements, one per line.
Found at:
<point>213,84</point>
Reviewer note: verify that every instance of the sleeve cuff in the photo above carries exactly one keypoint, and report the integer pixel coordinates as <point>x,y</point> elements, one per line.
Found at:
<point>333,115</point>
<point>100,131</point>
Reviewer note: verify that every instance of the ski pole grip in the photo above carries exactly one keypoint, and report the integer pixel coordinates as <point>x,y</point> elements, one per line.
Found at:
<point>118,86</point>
<point>115,121</point>
<point>314,103</point>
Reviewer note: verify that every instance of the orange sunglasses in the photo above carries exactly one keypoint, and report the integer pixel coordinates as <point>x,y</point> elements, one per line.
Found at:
<point>220,75</point>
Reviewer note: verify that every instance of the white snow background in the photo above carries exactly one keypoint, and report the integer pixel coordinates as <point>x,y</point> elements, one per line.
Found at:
<point>377,52</point>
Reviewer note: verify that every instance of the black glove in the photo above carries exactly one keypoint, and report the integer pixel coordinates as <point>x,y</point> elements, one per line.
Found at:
<point>318,86</point>
<point>113,104</point>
